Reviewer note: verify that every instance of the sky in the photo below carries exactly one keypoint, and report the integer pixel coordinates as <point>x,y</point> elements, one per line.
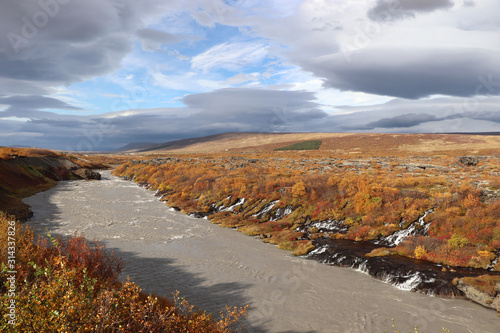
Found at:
<point>99,74</point>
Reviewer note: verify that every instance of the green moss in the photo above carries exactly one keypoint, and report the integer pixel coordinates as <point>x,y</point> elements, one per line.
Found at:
<point>306,145</point>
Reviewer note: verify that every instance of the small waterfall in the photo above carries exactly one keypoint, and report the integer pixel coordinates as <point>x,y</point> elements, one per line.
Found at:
<point>494,262</point>
<point>332,226</point>
<point>266,209</point>
<point>402,272</point>
<point>240,202</point>
<point>418,227</point>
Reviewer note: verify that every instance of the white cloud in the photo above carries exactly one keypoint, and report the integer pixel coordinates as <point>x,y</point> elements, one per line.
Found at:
<point>241,78</point>
<point>231,56</point>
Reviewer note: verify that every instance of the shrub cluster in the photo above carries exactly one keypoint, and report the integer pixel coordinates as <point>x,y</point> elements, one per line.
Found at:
<point>72,285</point>
<point>373,198</point>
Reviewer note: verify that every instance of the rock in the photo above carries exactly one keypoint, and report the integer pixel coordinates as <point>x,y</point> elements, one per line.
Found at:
<point>480,297</point>
<point>198,215</point>
<point>468,160</point>
<point>87,174</point>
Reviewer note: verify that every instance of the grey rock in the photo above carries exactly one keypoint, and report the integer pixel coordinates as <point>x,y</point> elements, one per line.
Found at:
<point>87,174</point>
<point>478,296</point>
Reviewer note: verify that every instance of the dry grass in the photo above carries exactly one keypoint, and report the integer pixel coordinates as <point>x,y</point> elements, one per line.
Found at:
<point>342,143</point>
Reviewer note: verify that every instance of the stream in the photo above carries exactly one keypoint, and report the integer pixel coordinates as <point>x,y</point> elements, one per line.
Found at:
<point>212,267</point>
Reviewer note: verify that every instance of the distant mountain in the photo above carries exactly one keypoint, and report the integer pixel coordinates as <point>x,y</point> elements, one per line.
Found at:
<point>477,133</point>
<point>21,146</point>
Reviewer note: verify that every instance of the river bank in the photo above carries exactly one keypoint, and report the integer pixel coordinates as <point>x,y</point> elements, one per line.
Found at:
<point>214,267</point>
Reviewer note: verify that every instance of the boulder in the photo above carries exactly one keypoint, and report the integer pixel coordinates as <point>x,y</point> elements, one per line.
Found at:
<point>87,174</point>
<point>468,160</point>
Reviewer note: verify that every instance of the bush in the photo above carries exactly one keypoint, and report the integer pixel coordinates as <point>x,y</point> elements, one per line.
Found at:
<point>73,286</point>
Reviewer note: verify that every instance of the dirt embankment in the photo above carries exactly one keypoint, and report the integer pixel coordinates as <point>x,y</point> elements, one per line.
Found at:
<point>24,176</point>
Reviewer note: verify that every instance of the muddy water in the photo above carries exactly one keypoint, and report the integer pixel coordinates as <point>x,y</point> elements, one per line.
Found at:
<point>213,267</point>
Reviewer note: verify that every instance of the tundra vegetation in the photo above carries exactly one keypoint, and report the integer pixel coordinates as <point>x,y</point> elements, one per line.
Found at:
<point>72,284</point>
<point>305,145</point>
<point>372,197</point>
<point>373,186</point>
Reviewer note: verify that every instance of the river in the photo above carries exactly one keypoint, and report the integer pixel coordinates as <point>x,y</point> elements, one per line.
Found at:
<point>212,267</point>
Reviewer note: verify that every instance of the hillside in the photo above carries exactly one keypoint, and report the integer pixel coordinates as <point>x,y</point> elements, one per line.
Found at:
<point>24,172</point>
<point>339,143</point>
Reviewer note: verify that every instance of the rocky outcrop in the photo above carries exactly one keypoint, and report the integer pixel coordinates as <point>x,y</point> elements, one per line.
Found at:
<point>87,174</point>
<point>54,168</point>
<point>480,297</point>
<point>23,176</point>
<point>468,160</point>
<point>402,272</point>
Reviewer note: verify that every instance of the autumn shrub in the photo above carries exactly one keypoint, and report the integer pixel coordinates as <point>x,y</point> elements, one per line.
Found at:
<point>8,153</point>
<point>71,285</point>
<point>485,283</point>
<point>420,252</point>
<point>372,202</point>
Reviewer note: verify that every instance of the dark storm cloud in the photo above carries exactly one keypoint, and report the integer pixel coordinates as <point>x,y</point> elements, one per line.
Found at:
<point>411,119</point>
<point>437,115</point>
<point>255,109</point>
<point>391,10</point>
<point>36,102</point>
<point>234,100</point>
<point>53,42</point>
<point>157,36</point>
<point>411,73</point>
<point>152,40</point>
<point>12,86</point>
<point>404,120</point>
<point>225,110</point>
<point>247,110</point>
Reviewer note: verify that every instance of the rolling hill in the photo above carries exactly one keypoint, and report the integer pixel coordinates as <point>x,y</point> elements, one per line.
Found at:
<point>346,143</point>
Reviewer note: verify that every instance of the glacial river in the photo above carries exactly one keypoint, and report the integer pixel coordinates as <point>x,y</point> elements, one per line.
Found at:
<point>212,267</point>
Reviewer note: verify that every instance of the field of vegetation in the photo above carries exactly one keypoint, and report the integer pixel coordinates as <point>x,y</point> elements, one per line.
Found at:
<point>275,196</point>
<point>71,284</point>
<point>305,145</point>
<point>450,202</point>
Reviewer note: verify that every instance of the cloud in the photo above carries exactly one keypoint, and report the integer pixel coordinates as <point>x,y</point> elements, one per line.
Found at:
<point>404,120</point>
<point>51,43</point>
<point>410,74</point>
<point>36,102</point>
<point>224,110</point>
<point>46,46</point>
<point>411,119</point>
<point>230,56</point>
<point>153,40</point>
<point>255,109</point>
<point>437,115</point>
<point>245,110</point>
<point>391,10</point>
